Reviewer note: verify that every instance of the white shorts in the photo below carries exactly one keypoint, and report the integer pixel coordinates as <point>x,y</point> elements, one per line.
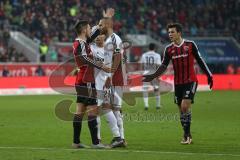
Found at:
<point>101,91</point>
<point>103,96</point>
<point>154,83</point>
<point>117,95</point>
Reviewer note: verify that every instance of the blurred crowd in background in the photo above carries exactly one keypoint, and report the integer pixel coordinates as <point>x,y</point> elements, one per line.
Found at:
<point>47,21</point>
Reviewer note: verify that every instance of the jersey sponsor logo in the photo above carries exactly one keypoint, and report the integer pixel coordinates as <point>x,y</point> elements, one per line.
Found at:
<point>179,56</point>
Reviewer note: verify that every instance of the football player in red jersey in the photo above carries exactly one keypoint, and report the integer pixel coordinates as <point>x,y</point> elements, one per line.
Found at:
<point>182,53</point>
<point>85,86</point>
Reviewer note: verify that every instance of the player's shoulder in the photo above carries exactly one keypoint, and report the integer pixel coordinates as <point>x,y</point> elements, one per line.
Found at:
<point>79,42</point>
<point>156,54</point>
<point>145,53</point>
<point>115,37</point>
<point>93,46</point>
<point>168,46</point>
<point>189,41</point>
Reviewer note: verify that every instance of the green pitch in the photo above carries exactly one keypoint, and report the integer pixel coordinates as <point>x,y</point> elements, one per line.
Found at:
<point>29,130</point>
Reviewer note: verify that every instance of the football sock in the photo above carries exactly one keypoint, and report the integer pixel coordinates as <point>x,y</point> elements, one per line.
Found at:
<point>158,101</point>
<point>99,127</point>
<point>92,125</point>
<point>186,123</point>
<point>145,98</point>
<point>77,126</point>
<point>119,118</point>
<point>112,122</point>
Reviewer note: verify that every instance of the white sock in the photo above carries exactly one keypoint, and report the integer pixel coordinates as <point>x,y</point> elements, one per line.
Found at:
<point>99,127</point>
<point>145,98</point>
<point>112,122</point>
<point>119,118</point>
<point>158,98</point>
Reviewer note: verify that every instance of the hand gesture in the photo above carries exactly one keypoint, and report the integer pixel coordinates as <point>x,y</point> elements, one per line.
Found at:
<point>109,13</point>
<point>108,69</point>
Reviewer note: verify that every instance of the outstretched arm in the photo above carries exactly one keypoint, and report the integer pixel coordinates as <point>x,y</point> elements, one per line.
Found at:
<point>161,69</point>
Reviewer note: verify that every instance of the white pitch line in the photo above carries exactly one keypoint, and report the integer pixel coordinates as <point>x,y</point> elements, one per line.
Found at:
<point>123,151</point>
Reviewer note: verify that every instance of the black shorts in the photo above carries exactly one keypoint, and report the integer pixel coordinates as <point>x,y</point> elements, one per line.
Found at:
<point>86,93</point>
<point>185,91</point>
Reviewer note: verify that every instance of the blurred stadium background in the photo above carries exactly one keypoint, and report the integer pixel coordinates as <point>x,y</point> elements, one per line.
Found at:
<point>36,37</point>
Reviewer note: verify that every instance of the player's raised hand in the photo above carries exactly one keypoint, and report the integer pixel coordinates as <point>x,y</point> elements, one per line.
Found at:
<point>210,82</point>
<point>109,13</point>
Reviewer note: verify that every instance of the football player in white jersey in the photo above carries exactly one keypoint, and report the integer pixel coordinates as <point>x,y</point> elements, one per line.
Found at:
<point>150,61</point>
<point>115,81</point>
<point>103,97</point>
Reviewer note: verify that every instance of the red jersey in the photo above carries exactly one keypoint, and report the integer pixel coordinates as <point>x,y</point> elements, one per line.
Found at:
<point>85,62</point>
<point>183,57</point>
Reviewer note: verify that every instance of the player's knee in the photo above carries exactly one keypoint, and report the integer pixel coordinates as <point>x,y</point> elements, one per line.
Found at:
<point>106,106</point>
<point>116,108</point>
<point>80,110</point>
<point>93,111</point>
<point>185,105</point>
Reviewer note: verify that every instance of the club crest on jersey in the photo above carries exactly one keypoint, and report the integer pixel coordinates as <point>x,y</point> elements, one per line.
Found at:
<point>185,48</point>
<point>173,51</point>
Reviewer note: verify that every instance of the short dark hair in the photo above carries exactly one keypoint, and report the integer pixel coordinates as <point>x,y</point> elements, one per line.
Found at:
<point>178,26</point>
<point>80,24</point>
<point>151,46</point>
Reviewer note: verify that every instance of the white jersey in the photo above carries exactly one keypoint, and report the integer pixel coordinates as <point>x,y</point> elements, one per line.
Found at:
<point>113,45</point>
<point>150,61</point>
<point>100,75</point>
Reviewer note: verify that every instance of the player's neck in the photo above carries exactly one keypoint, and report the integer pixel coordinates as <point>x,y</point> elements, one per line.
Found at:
<point>178,41</point>
<point>82,37</point>
<point>110,32</point>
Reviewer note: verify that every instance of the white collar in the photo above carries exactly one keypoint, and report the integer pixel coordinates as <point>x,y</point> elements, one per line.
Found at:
<point>179,44</point>
<point>79,39</point>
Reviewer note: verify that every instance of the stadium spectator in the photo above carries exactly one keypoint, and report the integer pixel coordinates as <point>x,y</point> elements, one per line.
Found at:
<point>230,69</point>
<point>43,50</point>
<point>5,72</point>
<point>55,18</point>
<point>39,71</point>
<point>238,70</point>
<point>14,56</point>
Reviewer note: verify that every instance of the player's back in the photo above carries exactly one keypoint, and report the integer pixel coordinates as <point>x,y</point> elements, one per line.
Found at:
<point>150,61</point>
